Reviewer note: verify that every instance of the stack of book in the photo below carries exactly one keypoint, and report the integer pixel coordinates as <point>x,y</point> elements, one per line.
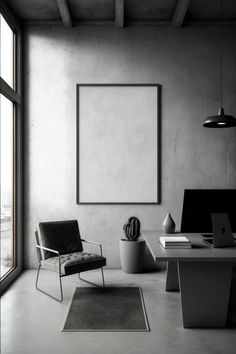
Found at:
<point>175,242</point>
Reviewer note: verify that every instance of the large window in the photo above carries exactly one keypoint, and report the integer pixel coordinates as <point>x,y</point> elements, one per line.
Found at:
<point>10,147</point>
<point>7,52</point>
<point>7,185</point>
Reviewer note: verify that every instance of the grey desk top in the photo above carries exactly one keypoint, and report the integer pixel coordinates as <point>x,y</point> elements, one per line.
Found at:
<point>199,251</point>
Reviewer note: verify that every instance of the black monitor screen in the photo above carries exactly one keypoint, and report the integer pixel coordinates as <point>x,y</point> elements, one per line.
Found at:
<point>199,204</point>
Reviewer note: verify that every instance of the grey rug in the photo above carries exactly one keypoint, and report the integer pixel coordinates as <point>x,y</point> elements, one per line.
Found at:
<point>107,309</point>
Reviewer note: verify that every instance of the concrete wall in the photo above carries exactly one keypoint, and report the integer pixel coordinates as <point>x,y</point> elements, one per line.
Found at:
<point>184,61</point>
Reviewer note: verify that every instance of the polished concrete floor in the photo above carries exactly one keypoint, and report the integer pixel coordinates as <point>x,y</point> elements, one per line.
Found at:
<point>31,322</point>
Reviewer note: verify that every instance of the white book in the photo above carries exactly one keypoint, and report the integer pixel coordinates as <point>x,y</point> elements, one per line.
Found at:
<point>177,247</point>
<point>180,245</point>
<point>174,241</point>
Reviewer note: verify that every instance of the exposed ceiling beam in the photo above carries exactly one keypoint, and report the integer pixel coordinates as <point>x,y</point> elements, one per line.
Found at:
<point>180,12</point>
<point>119,13</point>
<point>65,13</point>
<point>129,23</point>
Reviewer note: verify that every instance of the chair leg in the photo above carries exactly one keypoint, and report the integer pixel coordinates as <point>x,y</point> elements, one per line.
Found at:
<point>89,282</point>
<point>44,292</point>
<point>103,282</point>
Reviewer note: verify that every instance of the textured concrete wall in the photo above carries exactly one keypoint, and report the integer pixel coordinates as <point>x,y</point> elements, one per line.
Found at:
<point>184,61</point>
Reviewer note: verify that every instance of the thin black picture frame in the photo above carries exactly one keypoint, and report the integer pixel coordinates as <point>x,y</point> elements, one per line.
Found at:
<point>159,110</point>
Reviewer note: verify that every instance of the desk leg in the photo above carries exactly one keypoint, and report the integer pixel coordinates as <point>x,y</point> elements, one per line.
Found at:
<point>205,288</point>
<point>172,278</point>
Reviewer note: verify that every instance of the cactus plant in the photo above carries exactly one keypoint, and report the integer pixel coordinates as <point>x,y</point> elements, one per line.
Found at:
<point>132,229</point>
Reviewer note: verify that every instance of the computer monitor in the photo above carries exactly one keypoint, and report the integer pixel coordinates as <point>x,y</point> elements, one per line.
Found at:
<point>199,204</point>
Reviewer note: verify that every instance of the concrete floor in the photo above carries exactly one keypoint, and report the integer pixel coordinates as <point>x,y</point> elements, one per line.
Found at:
<point>31,322</point>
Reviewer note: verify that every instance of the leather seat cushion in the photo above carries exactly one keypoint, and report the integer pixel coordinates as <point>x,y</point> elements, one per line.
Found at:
<point>75,262</point>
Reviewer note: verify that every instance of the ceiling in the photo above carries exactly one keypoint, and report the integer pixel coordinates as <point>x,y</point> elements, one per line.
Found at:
<point>122,13</point>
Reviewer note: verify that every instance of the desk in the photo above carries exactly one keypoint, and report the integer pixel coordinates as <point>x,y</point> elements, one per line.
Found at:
<point>203,275</point>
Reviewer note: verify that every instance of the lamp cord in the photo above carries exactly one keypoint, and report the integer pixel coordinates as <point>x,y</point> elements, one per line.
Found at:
<point>221,51</point>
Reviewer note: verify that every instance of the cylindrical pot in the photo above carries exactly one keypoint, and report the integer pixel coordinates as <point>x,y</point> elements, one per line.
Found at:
<point>132,255</point>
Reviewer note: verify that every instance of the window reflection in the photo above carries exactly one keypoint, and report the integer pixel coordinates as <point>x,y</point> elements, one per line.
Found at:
<point>6,207</point>
<point>7,52</point>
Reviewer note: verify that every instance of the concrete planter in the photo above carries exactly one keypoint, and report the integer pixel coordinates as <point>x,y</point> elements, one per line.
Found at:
<point>132,255</point>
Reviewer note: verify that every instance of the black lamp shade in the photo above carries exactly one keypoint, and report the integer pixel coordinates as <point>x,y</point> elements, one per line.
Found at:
<point>220,120</point>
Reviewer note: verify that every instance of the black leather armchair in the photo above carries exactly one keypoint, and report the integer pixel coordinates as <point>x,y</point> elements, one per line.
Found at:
<point>60,249</point>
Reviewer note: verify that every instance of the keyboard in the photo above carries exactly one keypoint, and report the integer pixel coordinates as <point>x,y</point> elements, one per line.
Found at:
<point>207,235</point>
<point>208,241</point>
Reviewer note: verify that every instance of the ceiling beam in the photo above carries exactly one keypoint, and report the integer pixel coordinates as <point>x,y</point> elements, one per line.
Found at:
<point>65,13</point>
<point>119,13</point>
<point>180,12</point>
<point>133,23</point>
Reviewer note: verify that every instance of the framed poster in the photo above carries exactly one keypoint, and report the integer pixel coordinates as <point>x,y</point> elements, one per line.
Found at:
<point>118,144</point>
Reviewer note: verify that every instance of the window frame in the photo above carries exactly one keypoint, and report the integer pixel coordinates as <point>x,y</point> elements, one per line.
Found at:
<point>15,95</point>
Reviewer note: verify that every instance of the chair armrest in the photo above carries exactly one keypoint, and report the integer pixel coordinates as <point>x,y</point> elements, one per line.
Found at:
<point>93,243</point>
<point>48,249</point>
<point>53,251</point>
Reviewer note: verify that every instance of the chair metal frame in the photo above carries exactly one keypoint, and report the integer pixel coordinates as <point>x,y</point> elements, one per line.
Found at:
<point>41,248</point>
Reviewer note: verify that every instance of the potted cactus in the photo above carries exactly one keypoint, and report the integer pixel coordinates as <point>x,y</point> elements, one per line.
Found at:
<point>132,249</point>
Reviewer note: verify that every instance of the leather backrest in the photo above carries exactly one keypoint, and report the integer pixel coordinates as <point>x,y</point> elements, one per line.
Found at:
<point>62,236</point>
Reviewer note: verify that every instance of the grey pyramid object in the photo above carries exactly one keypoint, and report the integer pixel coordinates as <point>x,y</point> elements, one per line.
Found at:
<point>168,224</point>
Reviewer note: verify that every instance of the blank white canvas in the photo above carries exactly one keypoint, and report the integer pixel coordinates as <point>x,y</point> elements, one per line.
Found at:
<point>117,143</point>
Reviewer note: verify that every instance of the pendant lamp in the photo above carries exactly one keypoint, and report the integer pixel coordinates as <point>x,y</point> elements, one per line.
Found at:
<point>220,120</point>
